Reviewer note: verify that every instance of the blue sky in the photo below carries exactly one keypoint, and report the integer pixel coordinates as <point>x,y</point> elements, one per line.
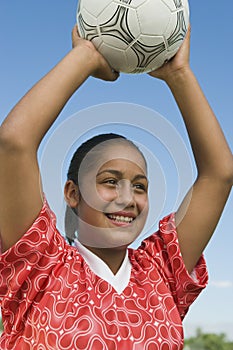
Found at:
<point>34,36</point>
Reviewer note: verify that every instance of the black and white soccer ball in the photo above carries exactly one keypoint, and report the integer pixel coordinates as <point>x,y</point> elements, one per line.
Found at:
<point>135,36</point>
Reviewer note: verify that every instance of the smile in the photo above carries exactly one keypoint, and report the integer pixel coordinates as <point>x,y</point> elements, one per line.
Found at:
<point>120,218</point>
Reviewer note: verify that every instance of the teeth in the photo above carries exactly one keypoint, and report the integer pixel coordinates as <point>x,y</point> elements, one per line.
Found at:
<point>120,218</point>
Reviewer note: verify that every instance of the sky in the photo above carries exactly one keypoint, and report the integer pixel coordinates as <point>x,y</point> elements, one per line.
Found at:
<point>35,35</point>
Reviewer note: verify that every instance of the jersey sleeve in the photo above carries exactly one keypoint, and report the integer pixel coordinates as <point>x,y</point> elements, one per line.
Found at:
<point>26,266</point>
<point>163,249</point>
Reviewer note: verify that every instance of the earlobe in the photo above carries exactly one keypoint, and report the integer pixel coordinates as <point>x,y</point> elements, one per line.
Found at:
<point>71,194</point>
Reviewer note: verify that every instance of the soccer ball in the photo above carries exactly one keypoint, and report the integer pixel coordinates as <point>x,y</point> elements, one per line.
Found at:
<point>135,36</point>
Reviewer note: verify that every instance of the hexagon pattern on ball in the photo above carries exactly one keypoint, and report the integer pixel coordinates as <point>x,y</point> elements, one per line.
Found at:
<point>135,36</point>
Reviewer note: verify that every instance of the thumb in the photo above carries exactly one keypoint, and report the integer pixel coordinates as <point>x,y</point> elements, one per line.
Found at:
<point>75,36</point>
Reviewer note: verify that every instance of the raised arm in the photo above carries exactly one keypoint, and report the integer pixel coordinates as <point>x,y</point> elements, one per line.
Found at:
<point>24,128</point>
<point>201,209</point>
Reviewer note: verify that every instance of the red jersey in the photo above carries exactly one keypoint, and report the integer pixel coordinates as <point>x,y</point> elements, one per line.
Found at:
<point>52,300</point>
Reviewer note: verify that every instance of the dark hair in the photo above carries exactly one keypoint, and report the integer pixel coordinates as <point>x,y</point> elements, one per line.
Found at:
<point>83,150</point>
<point>71,222</point>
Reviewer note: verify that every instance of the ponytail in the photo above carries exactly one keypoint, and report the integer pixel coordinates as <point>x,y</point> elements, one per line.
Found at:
<point>71,224</point>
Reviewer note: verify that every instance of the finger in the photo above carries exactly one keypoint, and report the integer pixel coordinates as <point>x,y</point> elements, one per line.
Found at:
<point>186,44</point>
<point>114,75</point>
<point>110,75</point>
<point>74,31</point>
<point>77,31</point>
<point>188,35</point>
<point>75,36</point>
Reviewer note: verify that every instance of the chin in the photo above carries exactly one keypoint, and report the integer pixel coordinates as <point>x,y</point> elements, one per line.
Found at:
<point>106,238</point>
<point>109,237</point>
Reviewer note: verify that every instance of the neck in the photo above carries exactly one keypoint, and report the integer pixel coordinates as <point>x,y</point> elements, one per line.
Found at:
<point>113,257</point>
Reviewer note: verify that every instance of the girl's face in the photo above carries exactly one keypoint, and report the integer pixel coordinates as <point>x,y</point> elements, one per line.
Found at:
<point>113,201</point>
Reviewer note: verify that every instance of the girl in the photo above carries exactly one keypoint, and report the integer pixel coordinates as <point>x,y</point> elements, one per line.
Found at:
<point>100,294</point>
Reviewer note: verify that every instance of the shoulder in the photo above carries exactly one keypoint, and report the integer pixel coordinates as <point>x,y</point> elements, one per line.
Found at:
<point>41,240</point>
<point>161,250</point>
<point>157,242</point>
<point>159,260</point>
<point>41,252</point>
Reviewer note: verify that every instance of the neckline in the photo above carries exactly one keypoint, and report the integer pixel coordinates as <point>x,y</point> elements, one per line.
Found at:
<point>119,281</point>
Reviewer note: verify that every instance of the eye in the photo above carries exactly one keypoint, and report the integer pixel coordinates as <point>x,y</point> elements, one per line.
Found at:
<point>139,187</point>
<point>111,181</point>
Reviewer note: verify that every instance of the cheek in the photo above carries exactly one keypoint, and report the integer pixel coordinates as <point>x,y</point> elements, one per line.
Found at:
<point>97,197</point>
<point>106,195</point>
<point>143,204</point>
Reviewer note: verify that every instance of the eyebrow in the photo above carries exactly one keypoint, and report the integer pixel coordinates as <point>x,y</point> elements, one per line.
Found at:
<point>120,174</point>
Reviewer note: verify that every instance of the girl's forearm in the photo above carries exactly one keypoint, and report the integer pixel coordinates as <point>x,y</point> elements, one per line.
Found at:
<point>212,154</point>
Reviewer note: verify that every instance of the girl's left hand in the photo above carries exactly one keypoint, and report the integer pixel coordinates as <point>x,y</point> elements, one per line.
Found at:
<point>176,64</point>
<point>100,67</point>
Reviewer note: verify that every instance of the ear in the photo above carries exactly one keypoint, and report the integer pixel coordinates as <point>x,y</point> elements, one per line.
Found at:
<point>71,193</point>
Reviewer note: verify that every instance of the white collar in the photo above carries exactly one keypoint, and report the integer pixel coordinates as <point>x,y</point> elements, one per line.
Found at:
<point>119,281</point>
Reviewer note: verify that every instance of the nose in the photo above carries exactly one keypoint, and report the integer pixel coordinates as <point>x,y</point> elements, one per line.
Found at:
<point>125,193</point>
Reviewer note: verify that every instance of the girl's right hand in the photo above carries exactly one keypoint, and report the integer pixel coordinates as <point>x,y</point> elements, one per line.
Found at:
<point>178,64</point>
<point>101,68</point>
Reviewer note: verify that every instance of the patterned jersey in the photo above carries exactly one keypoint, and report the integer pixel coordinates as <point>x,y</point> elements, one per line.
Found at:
<point>52,300</point>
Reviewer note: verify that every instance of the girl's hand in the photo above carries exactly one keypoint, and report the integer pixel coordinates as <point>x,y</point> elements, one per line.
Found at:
<point>101,68</point>
<point>179,63</point>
